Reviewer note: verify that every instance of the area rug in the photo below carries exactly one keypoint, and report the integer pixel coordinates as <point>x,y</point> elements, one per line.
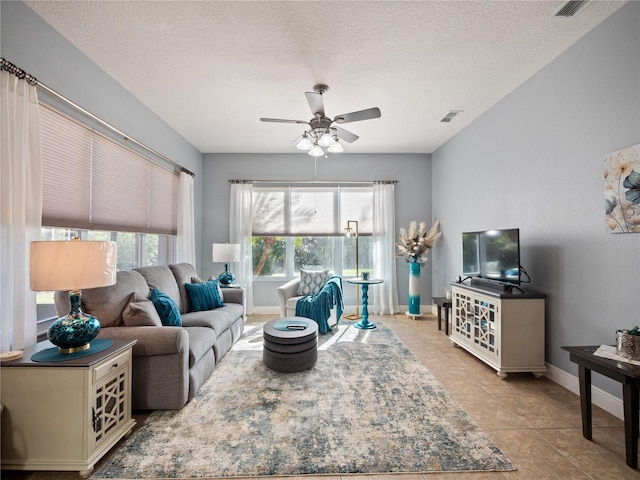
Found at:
<point>367,406</point>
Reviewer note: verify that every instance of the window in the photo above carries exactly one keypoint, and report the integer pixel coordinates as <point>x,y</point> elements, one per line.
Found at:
<point>95,188</point>
<point>302,226</point>
<point>134,250</point>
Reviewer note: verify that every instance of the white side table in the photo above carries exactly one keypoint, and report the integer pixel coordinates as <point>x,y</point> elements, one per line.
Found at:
<point>65,415</point>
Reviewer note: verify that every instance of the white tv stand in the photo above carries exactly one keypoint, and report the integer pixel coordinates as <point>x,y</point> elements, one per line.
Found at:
<point>504,330</point>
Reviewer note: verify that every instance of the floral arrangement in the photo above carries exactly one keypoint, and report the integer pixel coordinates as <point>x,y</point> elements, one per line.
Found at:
<point>416,242</point>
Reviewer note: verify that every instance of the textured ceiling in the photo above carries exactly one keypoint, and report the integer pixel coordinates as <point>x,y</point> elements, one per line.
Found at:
<point>211,69</point>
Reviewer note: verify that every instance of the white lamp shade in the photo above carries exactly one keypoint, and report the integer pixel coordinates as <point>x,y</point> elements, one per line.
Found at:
<point>226,252</point>
<point>72,265</point>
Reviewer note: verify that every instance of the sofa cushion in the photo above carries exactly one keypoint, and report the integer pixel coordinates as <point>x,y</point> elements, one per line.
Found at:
<point>182,273</point>
<point>201,340</point>
<point>161,277</point>
<point>166,308</point>
<point>204,296</point>
<point>219,319</point>
<point>140,313</point>
<point>312,281</point>
<point>292,301</point>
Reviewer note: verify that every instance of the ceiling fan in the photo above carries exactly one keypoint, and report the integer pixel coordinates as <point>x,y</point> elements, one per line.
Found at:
<point>322,133</point>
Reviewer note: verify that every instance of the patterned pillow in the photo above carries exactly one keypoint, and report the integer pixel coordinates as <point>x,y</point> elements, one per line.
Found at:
<point>312,281</point>
<point>166,308</point>
<point>204,296</point>
<point>140,312</point>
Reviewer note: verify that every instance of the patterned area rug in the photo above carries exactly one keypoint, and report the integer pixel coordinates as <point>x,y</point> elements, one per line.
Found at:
<point>368,406</point>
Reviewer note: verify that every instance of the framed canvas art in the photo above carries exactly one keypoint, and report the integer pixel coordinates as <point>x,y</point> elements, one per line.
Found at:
<point>622,190</point>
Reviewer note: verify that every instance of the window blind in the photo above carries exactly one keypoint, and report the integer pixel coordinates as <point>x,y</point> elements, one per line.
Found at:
<point>92,182</point>
<point>310,210</point>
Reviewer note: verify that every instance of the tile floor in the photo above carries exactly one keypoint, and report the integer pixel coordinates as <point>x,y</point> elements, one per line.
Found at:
<point>535,422</point>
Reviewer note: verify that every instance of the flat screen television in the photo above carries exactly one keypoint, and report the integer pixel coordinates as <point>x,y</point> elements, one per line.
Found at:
<point>492,255</point>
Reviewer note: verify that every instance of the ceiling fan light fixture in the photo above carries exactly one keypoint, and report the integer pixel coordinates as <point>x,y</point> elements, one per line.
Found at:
<point>325,140</point>
<point>304,143</point>
<point>316,151</point>
<point>335,148</point>
<point>322,136</point>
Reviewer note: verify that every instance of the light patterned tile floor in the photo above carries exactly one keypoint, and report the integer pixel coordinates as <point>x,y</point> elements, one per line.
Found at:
<point>535,422</point>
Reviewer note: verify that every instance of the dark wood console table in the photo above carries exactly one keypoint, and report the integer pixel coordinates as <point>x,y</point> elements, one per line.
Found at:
<point>625,373</point>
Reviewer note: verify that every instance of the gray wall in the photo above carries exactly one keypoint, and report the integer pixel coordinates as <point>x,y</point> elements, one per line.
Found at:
<point>535,161</point>
<point>30,43</point>
<point>413,199</point>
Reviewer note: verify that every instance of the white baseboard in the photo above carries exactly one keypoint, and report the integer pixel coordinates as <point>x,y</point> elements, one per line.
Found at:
<point>599,397</point>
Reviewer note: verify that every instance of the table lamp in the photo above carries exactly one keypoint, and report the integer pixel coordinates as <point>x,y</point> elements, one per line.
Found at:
<point>72,265</point>
<point>348,231</point>
<point>225,253</point>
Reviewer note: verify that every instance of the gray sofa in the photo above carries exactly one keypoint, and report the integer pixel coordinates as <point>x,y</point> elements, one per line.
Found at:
<point>170,364</point>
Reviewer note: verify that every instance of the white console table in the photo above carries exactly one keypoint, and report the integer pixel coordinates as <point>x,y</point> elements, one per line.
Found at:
<point>506,331</point>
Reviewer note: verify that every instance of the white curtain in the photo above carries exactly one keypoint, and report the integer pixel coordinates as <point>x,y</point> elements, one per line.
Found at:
<point>186,239</point>
<point>385,298</point>
<point>240,218</point>
<point>20,209</point>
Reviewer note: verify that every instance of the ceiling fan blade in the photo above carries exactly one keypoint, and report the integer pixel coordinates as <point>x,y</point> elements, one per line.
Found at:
<point>346,135</point>
<point>358,116</point>
<point>315,103</point>
<point>280,120</point>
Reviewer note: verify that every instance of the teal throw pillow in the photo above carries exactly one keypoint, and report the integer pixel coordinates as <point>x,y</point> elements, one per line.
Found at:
<point>166,308</point>
<point>311,282</point>
<point>204,296</point>
<point>199,280</point>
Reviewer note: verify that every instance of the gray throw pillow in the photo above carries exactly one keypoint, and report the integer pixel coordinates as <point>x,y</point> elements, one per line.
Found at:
<point>141,312</point>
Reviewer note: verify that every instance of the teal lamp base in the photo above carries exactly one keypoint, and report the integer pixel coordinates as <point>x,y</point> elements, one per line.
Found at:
<point>226,277</point>
<point>74,332</point>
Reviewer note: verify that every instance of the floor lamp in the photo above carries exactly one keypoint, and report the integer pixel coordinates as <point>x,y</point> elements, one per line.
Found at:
<point>348,231</point>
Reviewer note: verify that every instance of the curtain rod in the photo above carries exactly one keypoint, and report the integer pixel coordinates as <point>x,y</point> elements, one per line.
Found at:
<point>315,182</point>
<point>7,66</point>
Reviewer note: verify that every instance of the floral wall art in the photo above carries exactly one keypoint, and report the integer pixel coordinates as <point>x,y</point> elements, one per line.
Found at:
<point>622,190</point>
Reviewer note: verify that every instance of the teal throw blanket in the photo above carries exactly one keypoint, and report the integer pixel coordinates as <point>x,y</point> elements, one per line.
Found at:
<point>318,307</point>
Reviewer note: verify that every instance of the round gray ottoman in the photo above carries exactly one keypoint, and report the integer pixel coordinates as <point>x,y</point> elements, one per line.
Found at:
<point>290,344</point>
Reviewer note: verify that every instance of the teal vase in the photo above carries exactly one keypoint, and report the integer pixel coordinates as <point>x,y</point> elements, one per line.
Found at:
<point>414,288</point>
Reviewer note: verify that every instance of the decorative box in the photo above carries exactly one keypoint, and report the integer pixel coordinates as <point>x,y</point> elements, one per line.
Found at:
<point>627,345</point>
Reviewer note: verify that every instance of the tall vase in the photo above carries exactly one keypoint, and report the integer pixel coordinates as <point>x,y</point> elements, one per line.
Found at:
<point>414,288</point>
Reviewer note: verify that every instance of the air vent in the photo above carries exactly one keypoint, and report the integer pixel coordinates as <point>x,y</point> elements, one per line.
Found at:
<point>570,8</point>
<point>451,115</point>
